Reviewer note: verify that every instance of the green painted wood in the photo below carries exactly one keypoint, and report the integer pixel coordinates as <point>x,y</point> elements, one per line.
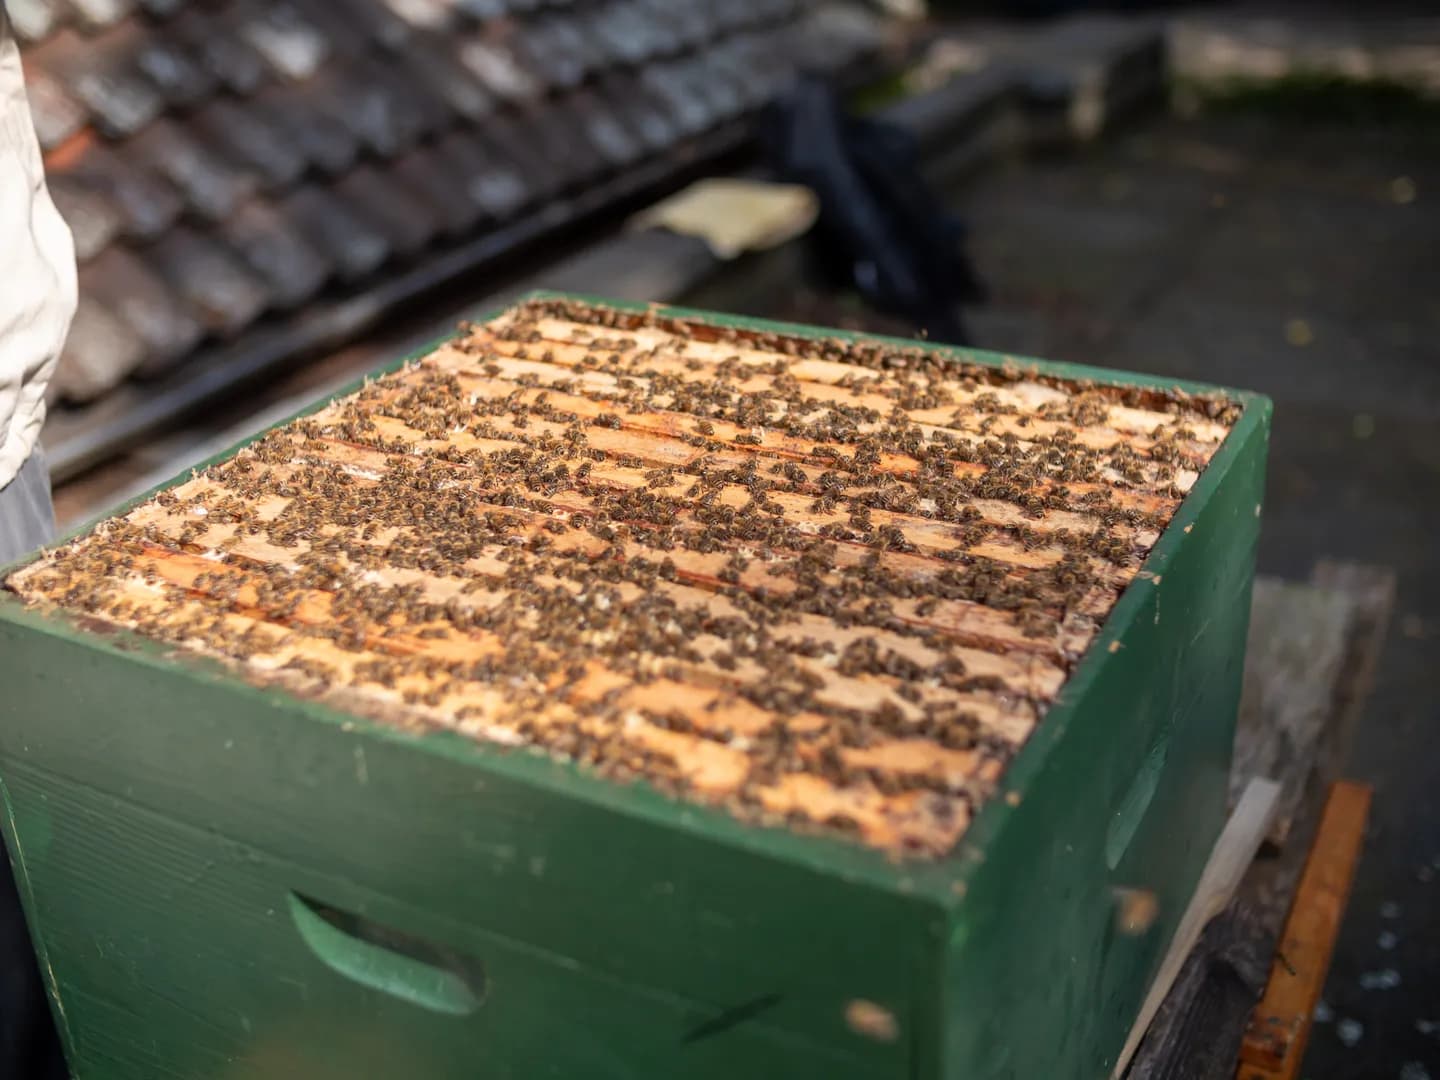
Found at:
<point>162,815</point>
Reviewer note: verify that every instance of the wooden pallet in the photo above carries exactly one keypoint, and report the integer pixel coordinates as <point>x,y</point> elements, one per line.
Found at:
<point>1309,669</point>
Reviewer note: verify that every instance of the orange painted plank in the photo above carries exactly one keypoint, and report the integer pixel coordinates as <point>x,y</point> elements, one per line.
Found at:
<point>1280,1026</point>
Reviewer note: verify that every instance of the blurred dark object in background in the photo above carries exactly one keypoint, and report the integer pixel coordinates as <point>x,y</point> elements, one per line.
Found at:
<point>882,230</point>
<point>1048,8</point>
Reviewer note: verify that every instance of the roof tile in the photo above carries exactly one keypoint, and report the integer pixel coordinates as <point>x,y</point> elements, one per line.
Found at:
<point>126,286</point>
<point>516,149</point>
<point>219,50</point>
<point>640,110</point>
<point>223,293</point>
<point>99,14</point>
<point>383,120</point>
<point>101,73</point>
<point>491,178</point>
<point>348,36</point>
<point>692,113</point>
<point>146,203</point>
<point>424,173</point>
<point>290,43</point>
<point>423,14</point>
<point>316,133</point>
<point>247,137</point>
<point>175,68</point>
<point>569,56</point>
<point>615,141</point>
<point>481,9</point>
<point>565,139</point>
<point>406,221</point>
<point>94,220</point>
<point>212,186</point>
<point>162,8</point>
<point>496,62</point>
<point>432,63</point>
<point>33,20</point>
<point>377,22</point>
<point>100,352</point>
<point>56,114</point>
<point>273,248</point>
<point>354,246</point>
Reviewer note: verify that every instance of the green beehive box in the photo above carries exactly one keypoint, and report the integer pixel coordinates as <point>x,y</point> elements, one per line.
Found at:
<point>268,866</point>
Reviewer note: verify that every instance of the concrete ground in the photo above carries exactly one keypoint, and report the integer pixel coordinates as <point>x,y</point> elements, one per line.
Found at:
<point>1301,260</point>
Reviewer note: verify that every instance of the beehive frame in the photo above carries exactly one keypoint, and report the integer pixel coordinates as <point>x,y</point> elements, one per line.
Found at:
<point>945,884</point>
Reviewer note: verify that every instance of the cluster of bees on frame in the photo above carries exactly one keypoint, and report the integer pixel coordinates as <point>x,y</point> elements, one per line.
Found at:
<point>746,508</point>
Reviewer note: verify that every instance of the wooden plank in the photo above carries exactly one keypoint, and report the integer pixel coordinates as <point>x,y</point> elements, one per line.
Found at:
<point>1232,854</point>
<point>1296,648</point>
<point>1275,1039</point>
<point>1372,590</point>
<point>1196,1034</point>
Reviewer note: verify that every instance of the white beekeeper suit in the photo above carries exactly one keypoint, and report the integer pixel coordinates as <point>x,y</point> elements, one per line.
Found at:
<point>37,300</point>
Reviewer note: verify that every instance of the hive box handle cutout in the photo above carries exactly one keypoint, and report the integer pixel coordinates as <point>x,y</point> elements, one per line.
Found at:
<point>389,960</point>
<point>1136,803</point>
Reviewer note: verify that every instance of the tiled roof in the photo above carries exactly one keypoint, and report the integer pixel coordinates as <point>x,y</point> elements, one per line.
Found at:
<point>223,163</point>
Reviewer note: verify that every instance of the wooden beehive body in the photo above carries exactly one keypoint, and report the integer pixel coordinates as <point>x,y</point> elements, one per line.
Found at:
<point>823,716</point>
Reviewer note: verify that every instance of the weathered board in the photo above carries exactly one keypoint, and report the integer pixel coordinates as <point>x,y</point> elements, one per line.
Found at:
<point>1199,1030</point>
<point>1274,1044</point>
<point>818,673</point>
